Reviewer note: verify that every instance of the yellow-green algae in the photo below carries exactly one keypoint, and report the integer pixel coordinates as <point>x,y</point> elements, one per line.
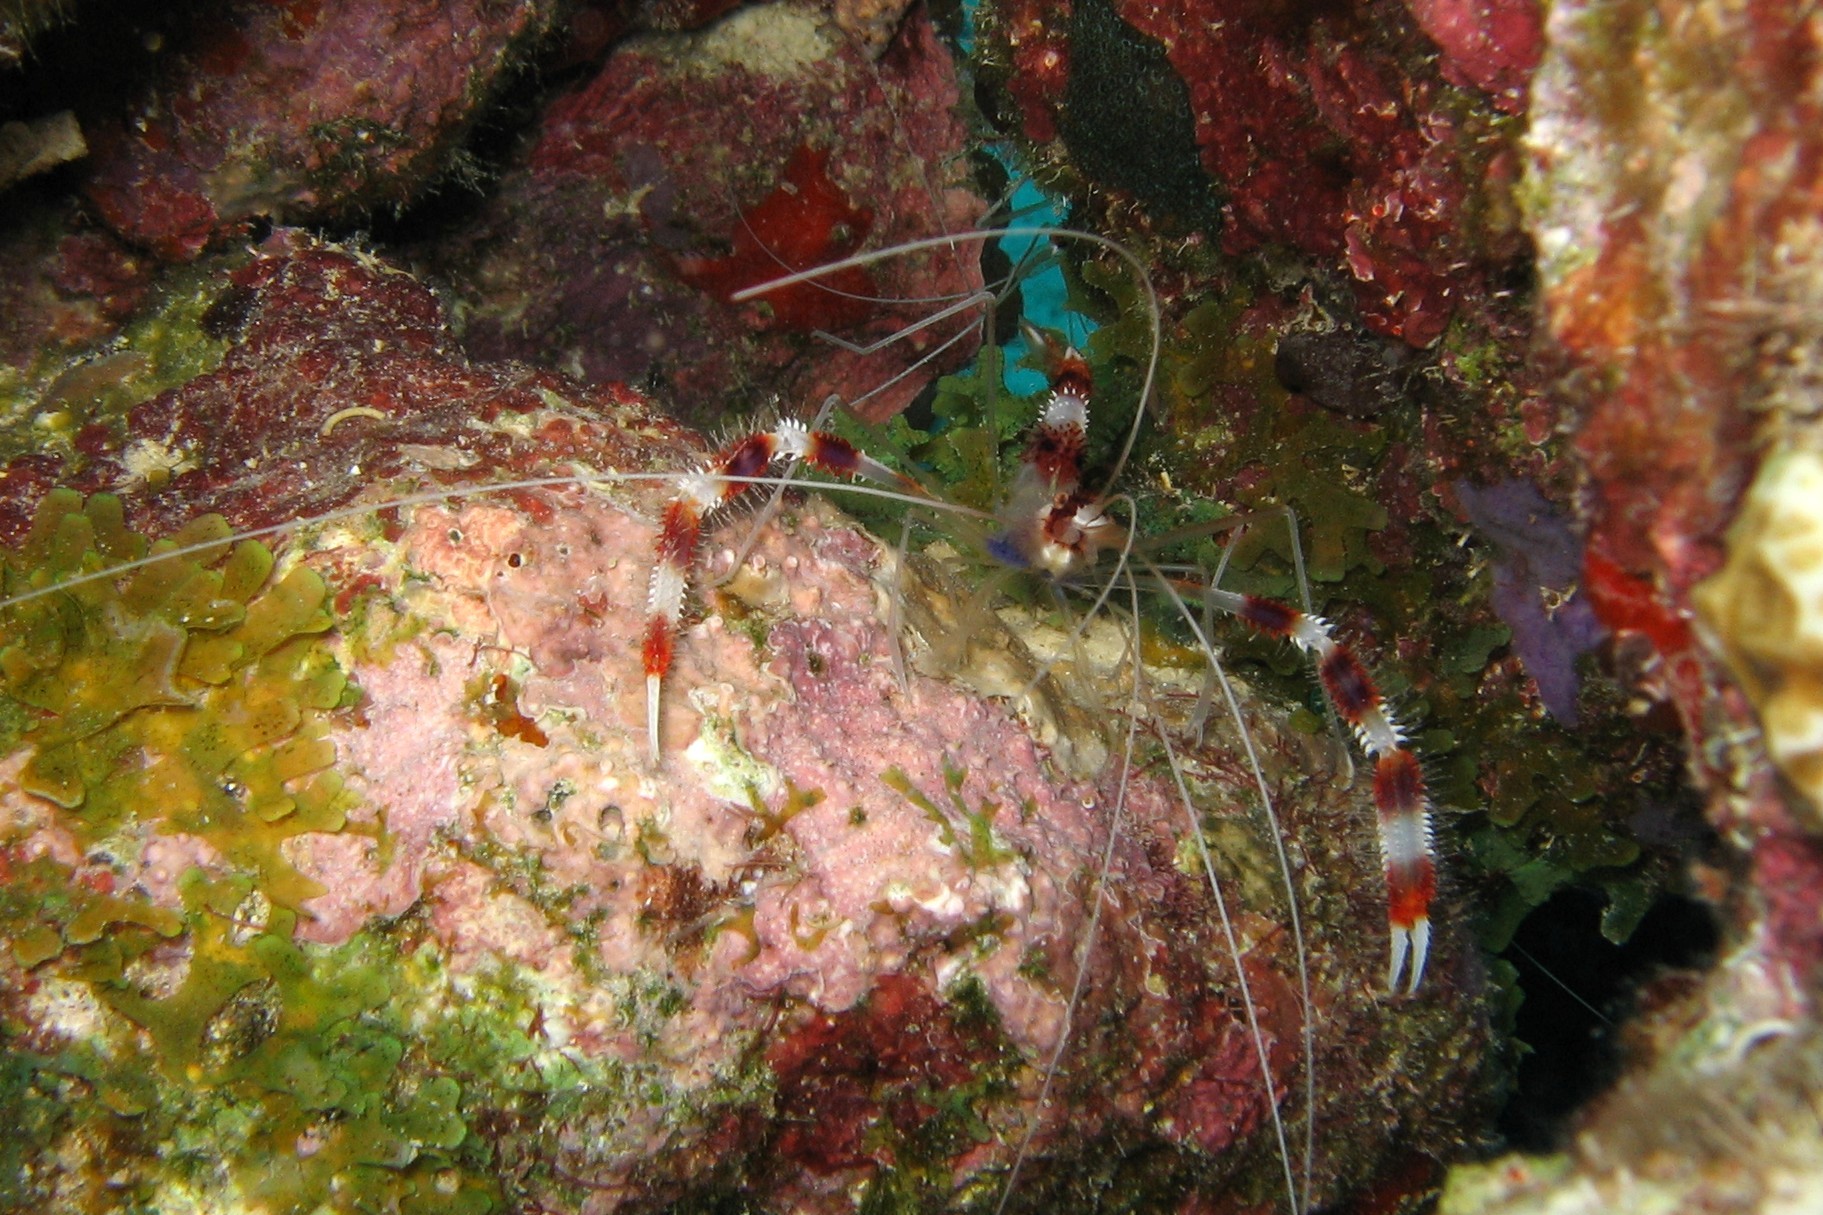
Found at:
<point>273,1076</point>
<point>982,848</point>
<point>211,1062</point>
<point>188,695</point>
<point>231,1065</point>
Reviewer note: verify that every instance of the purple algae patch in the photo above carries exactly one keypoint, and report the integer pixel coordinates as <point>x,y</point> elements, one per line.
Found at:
<point>1535,586</point>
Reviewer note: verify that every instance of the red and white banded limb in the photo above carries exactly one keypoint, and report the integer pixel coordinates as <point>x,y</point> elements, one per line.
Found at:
<point>1053,526</point>
<point>1399,788</point>
<point>698,494</point>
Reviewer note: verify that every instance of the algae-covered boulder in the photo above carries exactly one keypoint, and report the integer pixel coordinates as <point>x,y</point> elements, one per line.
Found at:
<point>337,869</point>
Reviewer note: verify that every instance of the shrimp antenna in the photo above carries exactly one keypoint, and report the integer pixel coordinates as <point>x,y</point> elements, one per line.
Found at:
<point>1154,316</point>
<point>1300,1200</point>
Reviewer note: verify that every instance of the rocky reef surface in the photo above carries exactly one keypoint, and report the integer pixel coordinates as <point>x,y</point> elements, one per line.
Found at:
<point>334,869</point>
<point>1676,208</point>
<point>359,848</point>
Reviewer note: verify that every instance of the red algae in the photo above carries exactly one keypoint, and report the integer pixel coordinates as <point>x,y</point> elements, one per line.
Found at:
<point>682,169</point>
<point>891,1056</point>
<point>1493,45</point>
<point>805,222</point>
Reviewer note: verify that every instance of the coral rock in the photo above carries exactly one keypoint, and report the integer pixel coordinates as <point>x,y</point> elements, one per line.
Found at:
<point>298,112</point>
<point>1765,607</point>
<point>1491,44</point>
<point>696,164</point>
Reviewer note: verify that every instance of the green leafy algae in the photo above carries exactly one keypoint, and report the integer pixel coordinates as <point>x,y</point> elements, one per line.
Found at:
<point>191,694</point>
<point>981,847</point>
<point>279,1073</point>
<point>186,695</point>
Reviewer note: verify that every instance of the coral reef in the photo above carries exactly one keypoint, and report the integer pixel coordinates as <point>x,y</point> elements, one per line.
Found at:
<point>693,165</point>
<point>388,881</point>
<point>1287,382</point>
<point>1673,198</point>
<point>278,351</point>
<point>297,112</point>
<point>1327,130</point>
<point>332,867</point>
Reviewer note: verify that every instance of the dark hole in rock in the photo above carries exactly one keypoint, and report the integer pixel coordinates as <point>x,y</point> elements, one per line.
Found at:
<point>1579,988</point>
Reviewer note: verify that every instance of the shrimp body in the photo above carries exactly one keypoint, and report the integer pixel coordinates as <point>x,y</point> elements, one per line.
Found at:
<point>1052,526</point>
<point>1049,524</point>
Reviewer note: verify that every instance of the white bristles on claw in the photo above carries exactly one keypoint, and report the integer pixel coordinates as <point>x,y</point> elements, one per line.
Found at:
<point>1400,795</point>
<point>701,488</point>
<point>1066,409</point>
<point>665,595</point>
<point>793,439</point>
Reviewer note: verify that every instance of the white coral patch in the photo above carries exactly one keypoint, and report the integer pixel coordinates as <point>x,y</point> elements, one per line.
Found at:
<point>71,1011</point>
<point>767,39</point>
<point>147,459</point>
<point>730,772</point>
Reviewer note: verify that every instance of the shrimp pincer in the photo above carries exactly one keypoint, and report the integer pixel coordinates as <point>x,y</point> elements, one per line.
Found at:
<point>699,493</point>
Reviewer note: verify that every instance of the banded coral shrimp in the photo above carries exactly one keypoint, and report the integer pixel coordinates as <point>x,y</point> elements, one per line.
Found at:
<point>1052,525</point>
<point>841,912</point>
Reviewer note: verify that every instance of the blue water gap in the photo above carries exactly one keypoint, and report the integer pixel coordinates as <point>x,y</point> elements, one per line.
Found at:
<point>1045,296</point>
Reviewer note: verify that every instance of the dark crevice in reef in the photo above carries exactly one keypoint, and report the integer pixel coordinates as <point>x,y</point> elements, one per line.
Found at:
<point>1579,990</point>
<point>1126,119</point>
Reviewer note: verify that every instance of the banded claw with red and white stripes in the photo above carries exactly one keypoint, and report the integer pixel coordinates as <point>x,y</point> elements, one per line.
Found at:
<point>699,493</point>
<point>1399,787</point>
<point>1055,527</point>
